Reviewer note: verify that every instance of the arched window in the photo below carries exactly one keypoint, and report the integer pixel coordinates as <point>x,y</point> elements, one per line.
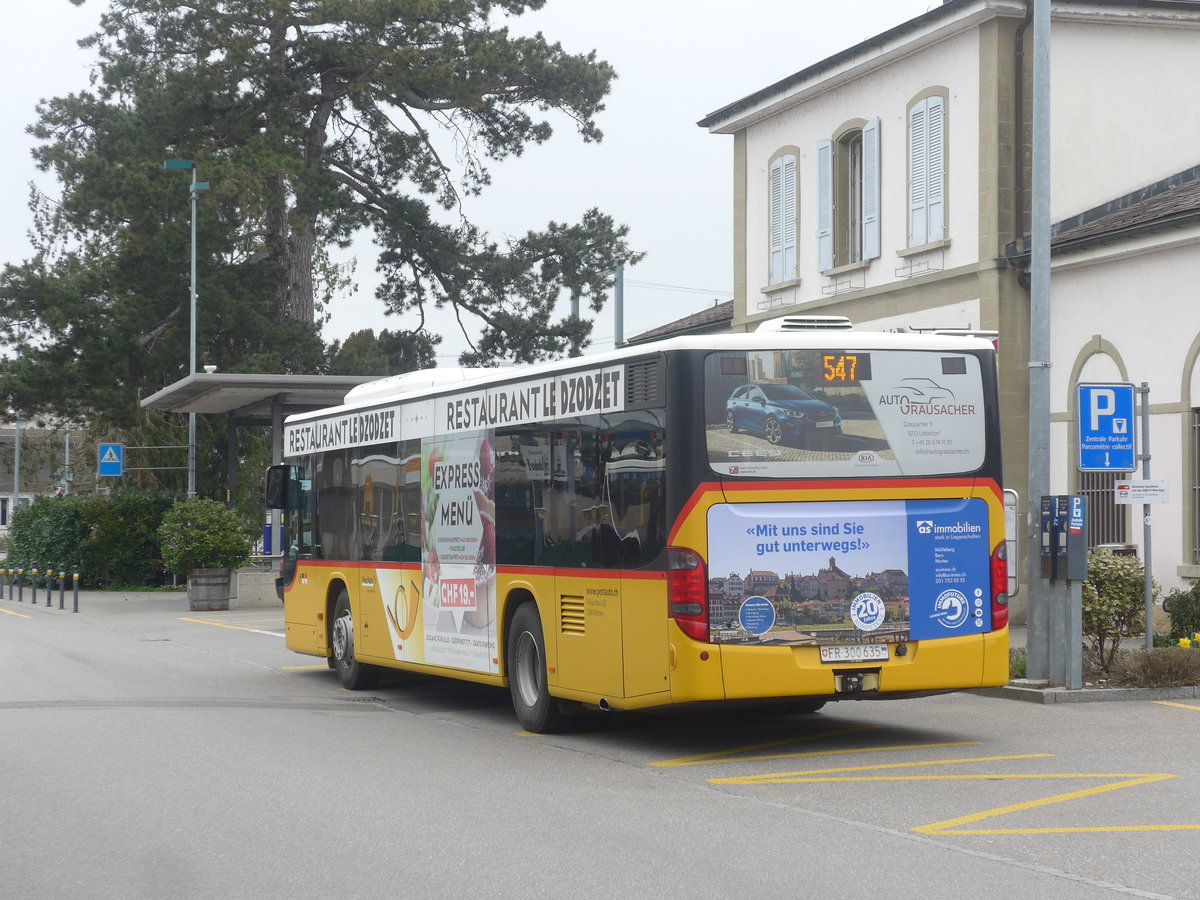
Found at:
<point>848,188</point>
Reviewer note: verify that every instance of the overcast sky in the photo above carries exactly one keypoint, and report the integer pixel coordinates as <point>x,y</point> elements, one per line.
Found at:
<point>656,171</point>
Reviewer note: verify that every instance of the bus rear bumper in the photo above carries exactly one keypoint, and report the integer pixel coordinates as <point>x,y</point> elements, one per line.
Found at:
<point>739,672</point>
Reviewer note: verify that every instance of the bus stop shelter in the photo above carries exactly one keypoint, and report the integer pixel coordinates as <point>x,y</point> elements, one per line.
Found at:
<point>253,400</point>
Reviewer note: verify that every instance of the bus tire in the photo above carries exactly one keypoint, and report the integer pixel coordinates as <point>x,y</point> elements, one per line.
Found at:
<point>536,710</point>
<point>353,675</point>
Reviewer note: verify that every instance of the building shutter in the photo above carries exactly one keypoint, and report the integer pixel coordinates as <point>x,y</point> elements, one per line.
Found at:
<point>776,236</point>
<point>789,218</point>
<point>783,219</point>
<point>917,175</point>
<point>824,205</point>
<point>870,189</point>
<point>935,169</point>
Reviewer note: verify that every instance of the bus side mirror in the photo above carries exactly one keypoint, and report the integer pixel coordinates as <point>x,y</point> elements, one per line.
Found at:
<point>280,492</point>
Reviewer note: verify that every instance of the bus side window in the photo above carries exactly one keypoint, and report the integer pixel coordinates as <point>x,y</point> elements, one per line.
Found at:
<point>635,486</point>
<point>521,469</point>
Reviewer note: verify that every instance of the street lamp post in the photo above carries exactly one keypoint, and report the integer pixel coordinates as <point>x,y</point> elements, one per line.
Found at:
<point>195,188</point>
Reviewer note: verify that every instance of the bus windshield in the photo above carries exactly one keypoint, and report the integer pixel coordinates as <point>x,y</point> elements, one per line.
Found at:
<point>844,413</point>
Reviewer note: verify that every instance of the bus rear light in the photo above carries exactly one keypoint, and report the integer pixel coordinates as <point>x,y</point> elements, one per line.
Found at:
<point>999,573</point>
<point>687,592</point>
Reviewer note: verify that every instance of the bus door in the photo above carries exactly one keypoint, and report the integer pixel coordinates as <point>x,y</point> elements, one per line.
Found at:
<point>586,623</point>
<point>634,504</point>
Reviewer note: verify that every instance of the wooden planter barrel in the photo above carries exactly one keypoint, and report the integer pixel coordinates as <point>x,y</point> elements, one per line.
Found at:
<point>209,589</point>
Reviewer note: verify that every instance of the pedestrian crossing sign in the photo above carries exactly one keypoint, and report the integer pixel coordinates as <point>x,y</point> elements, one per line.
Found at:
<point>111,460</point>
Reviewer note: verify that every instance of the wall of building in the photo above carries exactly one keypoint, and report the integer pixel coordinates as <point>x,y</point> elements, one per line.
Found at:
<point>1125,313</point>
<point>884,93</point>
<point>1123,108</point>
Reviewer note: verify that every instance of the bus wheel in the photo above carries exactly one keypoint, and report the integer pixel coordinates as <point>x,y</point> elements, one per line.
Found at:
<point>353,675</point>
<point>536,710</point>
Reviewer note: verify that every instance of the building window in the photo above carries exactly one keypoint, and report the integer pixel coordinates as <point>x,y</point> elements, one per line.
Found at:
<point>1196,486</point>
<point>848,197</point>
<point>783,219</point>
<point>927,171</point>
<point>1105,517</point>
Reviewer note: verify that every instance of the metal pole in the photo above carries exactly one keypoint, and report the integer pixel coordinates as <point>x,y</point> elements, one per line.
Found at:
<point>619,308</point>
<point>1039,344</point>
<point>62,582</point>
<point>1147,573</point>
<point>75,581</point>
<point>16,495</point>
<point>191,487</point>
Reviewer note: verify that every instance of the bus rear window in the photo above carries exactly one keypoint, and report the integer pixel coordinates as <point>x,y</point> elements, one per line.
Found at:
<point>843,413</point>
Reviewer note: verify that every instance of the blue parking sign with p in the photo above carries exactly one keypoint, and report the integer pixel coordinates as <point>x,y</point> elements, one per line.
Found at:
<point>1106,428</point>
<point>110,459</point>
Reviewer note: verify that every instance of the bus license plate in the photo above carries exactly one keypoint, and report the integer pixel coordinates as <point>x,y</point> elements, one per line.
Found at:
<point>840,653</point>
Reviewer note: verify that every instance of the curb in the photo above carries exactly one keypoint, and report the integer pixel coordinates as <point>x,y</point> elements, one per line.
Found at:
<point>1034,694</point>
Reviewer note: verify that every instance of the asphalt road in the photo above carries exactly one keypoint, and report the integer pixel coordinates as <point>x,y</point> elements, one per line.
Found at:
<point>153,752</point>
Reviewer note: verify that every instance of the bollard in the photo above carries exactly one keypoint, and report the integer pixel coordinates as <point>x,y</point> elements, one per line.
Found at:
<point>62,581</point>
<point>75,579</point>
<point>3,573</point>
<point>49,584</point>
<point>20,585</point>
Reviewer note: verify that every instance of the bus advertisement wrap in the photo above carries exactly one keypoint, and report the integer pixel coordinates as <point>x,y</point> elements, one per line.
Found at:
<point>855,571</point>
<point>458,553</point>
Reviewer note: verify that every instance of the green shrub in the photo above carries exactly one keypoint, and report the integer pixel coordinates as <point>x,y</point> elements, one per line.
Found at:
<point>1113,603</point>
<point>202,534</point>
<point>47,532</point>
<point>124,548</point>
<point>1183,608</point>
<point>107,540</point>
<point>1018,663</point>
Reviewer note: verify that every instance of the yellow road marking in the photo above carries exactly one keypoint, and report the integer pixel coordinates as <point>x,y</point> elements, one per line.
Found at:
<point>724,756</point>
<point>1178,705</point>
<point>790,777</point>
<point>227,625</point>
<point>17,614</point>
<point>727,755</point>
<point>1118,781</point>
<point>952,826</point>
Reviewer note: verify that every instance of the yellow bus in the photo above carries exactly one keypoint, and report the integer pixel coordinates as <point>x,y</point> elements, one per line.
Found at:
<point>802,516</point>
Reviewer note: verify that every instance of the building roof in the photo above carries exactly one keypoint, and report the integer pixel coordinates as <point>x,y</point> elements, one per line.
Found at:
<point>714,318</point>
<point>748,102</point>
<point>1170,203</point>
<point>919,27</point>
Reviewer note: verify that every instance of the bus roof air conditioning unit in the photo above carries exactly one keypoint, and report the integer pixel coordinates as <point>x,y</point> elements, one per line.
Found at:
<point>807,323</point>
